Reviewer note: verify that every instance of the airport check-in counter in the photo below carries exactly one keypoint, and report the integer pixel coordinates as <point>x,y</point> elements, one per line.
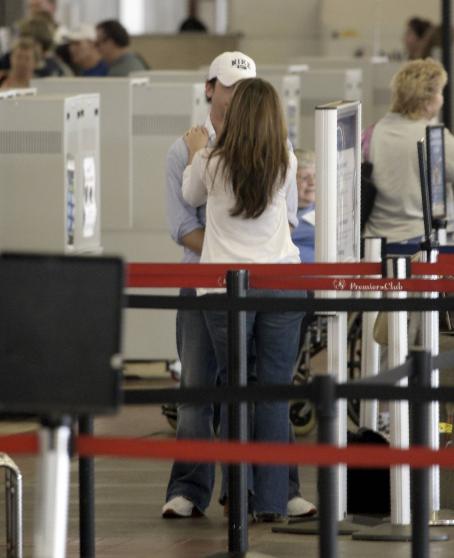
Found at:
<point>116,96</point>
<point>49,163</point>
<point>287,87</point>
<point>366,65</point>
<point>162,112</point>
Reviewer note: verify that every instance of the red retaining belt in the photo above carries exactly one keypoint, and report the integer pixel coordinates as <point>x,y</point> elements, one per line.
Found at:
<point>369,456</point>
<point>291,276</point>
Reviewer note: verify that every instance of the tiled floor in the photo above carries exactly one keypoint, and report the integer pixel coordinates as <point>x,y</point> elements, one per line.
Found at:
<point>129,496</point>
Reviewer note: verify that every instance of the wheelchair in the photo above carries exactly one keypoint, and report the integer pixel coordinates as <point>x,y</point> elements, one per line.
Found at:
<point>313,340</point>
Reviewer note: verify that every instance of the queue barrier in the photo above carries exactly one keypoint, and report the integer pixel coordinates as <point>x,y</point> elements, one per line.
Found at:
<point>324,389</point>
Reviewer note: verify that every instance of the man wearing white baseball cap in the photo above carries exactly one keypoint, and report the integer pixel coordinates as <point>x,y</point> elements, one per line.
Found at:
<point>191,484</point>
<point>85,56</point>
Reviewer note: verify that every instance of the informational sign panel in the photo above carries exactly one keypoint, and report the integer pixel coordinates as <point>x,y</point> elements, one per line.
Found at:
<point>338,140</point>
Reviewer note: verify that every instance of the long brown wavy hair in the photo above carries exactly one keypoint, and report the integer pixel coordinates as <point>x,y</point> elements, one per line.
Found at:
<point>252,147</point>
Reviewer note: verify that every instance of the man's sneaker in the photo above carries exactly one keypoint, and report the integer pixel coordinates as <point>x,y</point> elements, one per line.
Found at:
<point>180,507</point>
<point>299,507</point>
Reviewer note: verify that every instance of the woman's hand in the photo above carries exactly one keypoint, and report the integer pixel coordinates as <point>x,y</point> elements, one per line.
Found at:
<point>196,138</point>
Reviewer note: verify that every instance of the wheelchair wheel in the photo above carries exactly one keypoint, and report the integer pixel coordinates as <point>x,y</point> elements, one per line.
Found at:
<point>354,361</point>
<point>302,417</point>
<point>169,410</point>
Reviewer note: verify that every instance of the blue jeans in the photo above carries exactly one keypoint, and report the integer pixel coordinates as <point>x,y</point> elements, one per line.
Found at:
<point>195,481</point>
<point>276,337</point>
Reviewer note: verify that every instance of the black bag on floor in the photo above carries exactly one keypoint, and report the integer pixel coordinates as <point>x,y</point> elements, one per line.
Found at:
<point>368,490</point>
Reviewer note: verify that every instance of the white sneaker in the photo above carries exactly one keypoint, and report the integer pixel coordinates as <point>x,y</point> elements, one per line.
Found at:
<point>299,507</point>
<point>179,507</point>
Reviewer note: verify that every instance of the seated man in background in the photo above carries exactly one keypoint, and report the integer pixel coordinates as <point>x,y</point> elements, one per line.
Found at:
<point>303,234</point>
<point>85,56</point>
<point>24,59</point>
<point>113,42</point>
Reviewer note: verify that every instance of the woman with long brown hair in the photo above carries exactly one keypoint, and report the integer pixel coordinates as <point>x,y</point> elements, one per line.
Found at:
<point>244,181</point>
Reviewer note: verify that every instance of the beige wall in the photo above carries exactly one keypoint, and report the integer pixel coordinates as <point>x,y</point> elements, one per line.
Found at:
<point>276,30</point>
<point>349,24</point>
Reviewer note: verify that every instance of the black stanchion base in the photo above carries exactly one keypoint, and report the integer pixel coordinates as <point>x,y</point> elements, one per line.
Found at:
<point>312,527</point>
<point>247,554</point>
<point>443,518</point>
<point>395,533</point>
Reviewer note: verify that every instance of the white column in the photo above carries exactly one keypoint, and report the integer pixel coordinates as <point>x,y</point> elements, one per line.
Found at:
<point>221,17</point>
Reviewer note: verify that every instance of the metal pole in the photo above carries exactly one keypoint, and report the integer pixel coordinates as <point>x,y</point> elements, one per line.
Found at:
<point>398,410</point>
<point>51,512</point>
<point>86,496</point>
<point>446,55</point>
<point>430,342</point>
<point>370,349</point>
<point>237,284</point>
<point>420,478</point>
<point>324,389</point>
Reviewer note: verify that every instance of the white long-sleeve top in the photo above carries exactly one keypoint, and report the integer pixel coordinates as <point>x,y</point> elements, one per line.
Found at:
<point>265,239</point>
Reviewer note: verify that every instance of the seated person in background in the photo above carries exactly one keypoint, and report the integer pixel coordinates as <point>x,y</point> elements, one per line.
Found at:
<point>24,58</point>
<point>41,30</point>
<point>304,234</point>
<point>420,38</point>
<point>113,42</point>
<point>43,33</point>
<point>85,56</point>
<point>417,97</point>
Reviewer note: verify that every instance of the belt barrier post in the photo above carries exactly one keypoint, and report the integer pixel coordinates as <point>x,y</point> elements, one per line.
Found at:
<point>237,285</point>
<point>370,349</point>
<point>13,506</point>
<point>51,512</point>
<point>337,361</point>
<point>398,411</point>
<point>400,529</point>
<point>420,478</point>
<point>324,388</point>
<point>86,495</point>
<point>430,342</point>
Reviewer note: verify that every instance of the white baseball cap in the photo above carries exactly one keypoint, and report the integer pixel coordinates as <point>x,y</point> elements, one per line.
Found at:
<point>84,32</point>
<point>230,67</point>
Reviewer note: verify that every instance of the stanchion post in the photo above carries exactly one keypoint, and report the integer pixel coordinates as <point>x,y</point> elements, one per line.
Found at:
<point>370,349</point>
<point>430,342</point>
<point>399,419</point>
<point>324,390</point>
<point>237,285</point>
<point>420,477</point>
<point>51,513</point>
<point>86,495</point>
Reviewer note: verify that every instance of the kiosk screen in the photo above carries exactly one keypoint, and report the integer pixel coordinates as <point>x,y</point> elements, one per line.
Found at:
<point>436,176</point>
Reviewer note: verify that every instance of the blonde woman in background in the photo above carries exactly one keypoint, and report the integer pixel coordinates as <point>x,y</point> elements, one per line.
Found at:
<point>417,97</point>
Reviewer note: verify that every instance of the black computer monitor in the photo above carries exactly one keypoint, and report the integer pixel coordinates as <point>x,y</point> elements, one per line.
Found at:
<point>60,334</point>
<point>436,171</point>
<point>422,161</point>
